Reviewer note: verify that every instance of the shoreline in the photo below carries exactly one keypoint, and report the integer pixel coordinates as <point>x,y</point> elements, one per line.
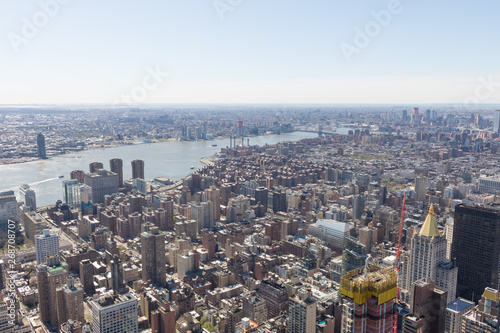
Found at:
<point>34,159</point>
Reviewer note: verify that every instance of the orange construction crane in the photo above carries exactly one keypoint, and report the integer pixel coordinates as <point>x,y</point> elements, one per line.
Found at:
<point>397,268</point>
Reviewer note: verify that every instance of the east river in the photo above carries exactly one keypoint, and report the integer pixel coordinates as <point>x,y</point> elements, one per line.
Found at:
<point>171,159</point>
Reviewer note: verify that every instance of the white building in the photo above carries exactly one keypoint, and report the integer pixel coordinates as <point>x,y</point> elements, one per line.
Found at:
<point>330,231</point>
<point>302,312</point>
<point>489,184</point>
<point>46,244</point>
<point>115,314</point>
<point>454,313</point>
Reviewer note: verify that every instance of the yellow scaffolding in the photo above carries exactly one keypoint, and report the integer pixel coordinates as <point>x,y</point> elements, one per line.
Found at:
<point>380,282</point>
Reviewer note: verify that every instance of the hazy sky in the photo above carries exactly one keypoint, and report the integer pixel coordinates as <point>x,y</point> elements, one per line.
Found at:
<point>249,51</point>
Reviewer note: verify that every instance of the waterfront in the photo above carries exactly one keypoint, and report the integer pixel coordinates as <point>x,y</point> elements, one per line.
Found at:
<point>167,159</point>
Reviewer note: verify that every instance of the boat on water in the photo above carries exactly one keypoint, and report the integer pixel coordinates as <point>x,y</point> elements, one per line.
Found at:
<point>192,166</point>
<point>61,176</point>
<point>214,145</point>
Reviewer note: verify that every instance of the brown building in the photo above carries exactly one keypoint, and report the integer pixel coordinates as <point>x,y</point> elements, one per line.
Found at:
<point>163,319</point>
<point>116,166</point>
<point>94,166</point>
<point>275,296</point>
<point>428,306</point>
<point>87,275</point>
<point>138,169</point>
<point>78,175</point>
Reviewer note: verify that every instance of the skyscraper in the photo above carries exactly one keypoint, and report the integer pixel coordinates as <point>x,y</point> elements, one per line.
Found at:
<point>368,300</point>
<point>50,277</point>
<point>78,175</point>
<point>40,144</point>
<point>428,306</point>
<point>29,196</point>
<point>353,255</point>
<point>302,312</point>
<point>46,245</point>
<point>275,296</point>
<point>496,122</point>
<point>138,169</point>
<point>261,196</point>
<point>102,182</point>
<point>116,273</point>
<point>476,248</point>
<point>114,313</point>
<point>427,251</point>
<point>70,302</point>
<point>94,166</point>
<point>116,166</point>
<point>72,193</point>
<point>279,201</point>
<point>420,188</point>
<point>153,256</point>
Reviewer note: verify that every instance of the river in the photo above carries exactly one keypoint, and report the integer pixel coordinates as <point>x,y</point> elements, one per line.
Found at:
<point>171,159</point>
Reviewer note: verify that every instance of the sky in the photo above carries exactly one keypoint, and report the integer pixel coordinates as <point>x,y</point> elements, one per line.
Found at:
<point>249,51</point>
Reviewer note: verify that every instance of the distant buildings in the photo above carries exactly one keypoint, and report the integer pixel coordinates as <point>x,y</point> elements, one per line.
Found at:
<point>46,245</point>
<point>476,248</point>
<point>138,169</point>
<point>40,144</point>
<point>496,122</point>
<point>114,313</point>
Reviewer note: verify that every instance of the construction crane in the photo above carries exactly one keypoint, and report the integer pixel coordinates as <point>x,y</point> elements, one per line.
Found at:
<point>397,268</point>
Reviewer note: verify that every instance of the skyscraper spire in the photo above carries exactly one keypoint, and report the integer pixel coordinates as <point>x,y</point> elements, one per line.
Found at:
<point>430,227</point>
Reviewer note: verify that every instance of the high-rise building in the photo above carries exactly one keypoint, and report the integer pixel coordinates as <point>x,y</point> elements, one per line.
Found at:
<point>420,188</point>
<point>87,275</point>
<point>72,193</point>
<point>279,201</point>
<point>275,296</point>
<point>2,275</point>
<point>70,301</point>
<point>115,313</point>
<point>103,183</point>
<point>484,317</point>
<point>368,300</point>
<point>8,208</point>
<point>212,195</point>
<point>262,196</point>
<point>496,122</point>
<point>46,245</point>
<point>476,248</point>
<point>78,175</point>
<point>50,276</point>
<point>239,128</point>
<point>116,273</point>
<point>138,169</point>
<point>163,319</point>
<point>358,205</point>
<point>353,255</point>
<point>94,166</point>
<point>29,196</point>
<point>427,251</point>
<point>254,307</point>
<point>428,306</point>
<point>116,166</point>
<point>302,312</point>
<point>40,144</point>
<point>153,256</point>
<point>454,314</point>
